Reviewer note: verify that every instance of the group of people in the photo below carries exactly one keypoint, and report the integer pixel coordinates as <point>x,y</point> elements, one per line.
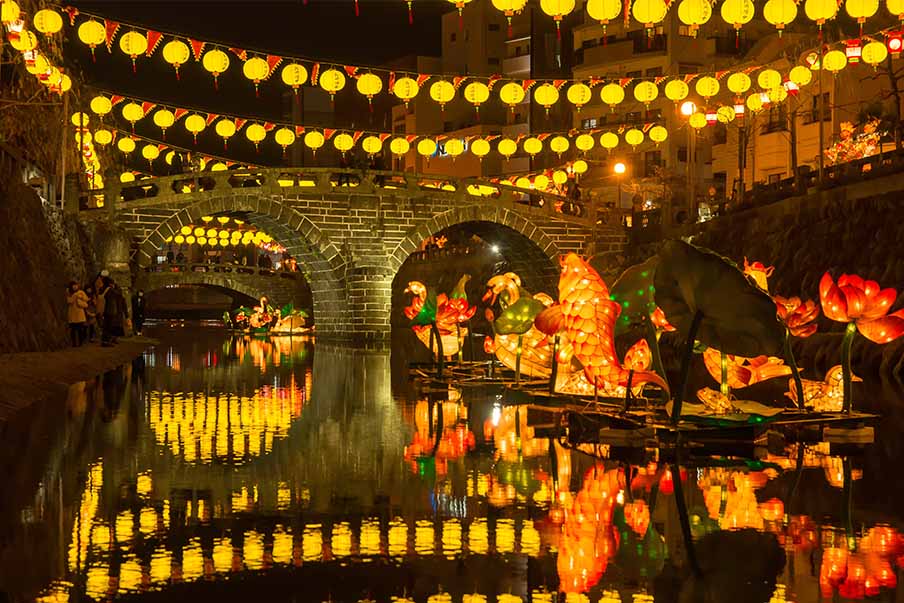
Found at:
<point>98,311</point>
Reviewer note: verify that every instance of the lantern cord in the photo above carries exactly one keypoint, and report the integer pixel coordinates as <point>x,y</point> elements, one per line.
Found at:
<point>357,12</point>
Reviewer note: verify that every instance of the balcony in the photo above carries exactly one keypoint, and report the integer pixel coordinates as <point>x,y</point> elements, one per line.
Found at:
<point>516,65</point>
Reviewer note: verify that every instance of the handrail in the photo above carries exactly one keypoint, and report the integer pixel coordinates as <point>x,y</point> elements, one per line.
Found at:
<point>162,190</point>
<point>178,268</point>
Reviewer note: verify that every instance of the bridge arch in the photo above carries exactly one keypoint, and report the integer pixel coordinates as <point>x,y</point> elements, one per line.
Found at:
<point>280,287</point>
<point>324,263</point>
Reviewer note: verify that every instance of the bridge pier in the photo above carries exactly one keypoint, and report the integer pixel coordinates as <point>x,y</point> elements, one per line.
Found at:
<point>360,314</point>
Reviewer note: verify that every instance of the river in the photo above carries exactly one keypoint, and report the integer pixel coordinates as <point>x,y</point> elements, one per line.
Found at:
<point>236,469</point>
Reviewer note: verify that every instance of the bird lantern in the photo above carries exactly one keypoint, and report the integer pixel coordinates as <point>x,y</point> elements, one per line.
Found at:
<point>215,62</point>
<point>405,89</point>
<point>780,13</point>
<point>426,147</point>
<point>609,140</point>
<point>314,140</point>
<point>546,95</point>
<point>133,44</point>
<point>163,119</point>
<point>649,12</point>
<point>195,124</point>
<point>634,137</point>
<point>820,11</point>
<point>612,94</point>
<point>285,138</point>
<point>256,133</point>
<point>132,112</point>
<point>755,102</point>
<point>676,91</point>
<point>769,79</point>
<point>697,120</point>
<point>658,134</point>
<point>176,53</point>
<point>101,105</point>
<point>707,86</point>
<point>604,11</point>
<point>372,145</point>
<point>454,147</point>
<point>294,75</point>
<point>512,94</point>
<point>332,80</point>
<point>834,61</point>
<point>103,137</point>
<point>579,94</point>
<point>91,33</point>
<point>48,21</point>
<point>737,13</point>
<point>861,10</point>
<point>507,147</point>
<point>399,146</point>
<point>646,92</point>
<point>480,148</point>
<point>725,114</point>
<point>532,146</point>
<point>557,9</point>
<point>369,85</point>
<point>225,129</point>
<point>509,8</point>
<point>257,70</point>
<point>150,152</point>
<point>873,54</point>
<point>9,12</point>
<point>477,93</point>
<point>584,142</point>
<point>126,145</point>
<point>694,13</point>
<point>442,92</point>
<point>738,83</point>
<point>558,145</point>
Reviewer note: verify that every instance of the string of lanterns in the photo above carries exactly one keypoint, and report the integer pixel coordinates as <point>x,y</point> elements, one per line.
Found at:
<point>295,72</point>
<point>47,22</point>
<point>208,234</point>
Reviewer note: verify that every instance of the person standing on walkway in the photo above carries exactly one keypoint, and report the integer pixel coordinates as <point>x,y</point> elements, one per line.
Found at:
<point>101,287</point>
<point>114,313</point>
<point>138,311</point>
<point>77,302</point>
<point>91,314</point>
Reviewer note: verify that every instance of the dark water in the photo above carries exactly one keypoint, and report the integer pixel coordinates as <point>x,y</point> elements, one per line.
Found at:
<point>225,469</point>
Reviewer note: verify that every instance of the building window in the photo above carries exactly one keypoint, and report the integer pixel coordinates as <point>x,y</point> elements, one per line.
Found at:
<point>685,68</point>
<point>778,119</point>
<point>467,35</point>
<point>774,178</point>
<point>814,109</point>
<point>453,36</point>
<point>651,161</point>
<point>654,72</point>
<point>637,73</point>
<point>590,43</point>
<point>590,122</point>
<point>447,126</point>
<point>632,117</point>
<point>493,27</point>
<point>493,61</point>
<point>654,114</point>
<point>682,154</point>
<point>518,119</point>
<point>720,134</point>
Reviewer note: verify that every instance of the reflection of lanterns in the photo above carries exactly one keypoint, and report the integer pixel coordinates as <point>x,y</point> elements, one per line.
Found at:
<point>833,570</point>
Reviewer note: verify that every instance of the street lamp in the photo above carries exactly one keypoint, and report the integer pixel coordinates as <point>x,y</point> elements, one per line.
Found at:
<point>619,169</point>
<point>688,108</point>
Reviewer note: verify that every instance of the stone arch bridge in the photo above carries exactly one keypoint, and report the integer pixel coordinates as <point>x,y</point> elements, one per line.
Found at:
<point>351,230</point>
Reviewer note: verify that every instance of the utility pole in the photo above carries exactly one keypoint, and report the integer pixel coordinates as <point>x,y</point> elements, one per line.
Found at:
<point>822,111</point>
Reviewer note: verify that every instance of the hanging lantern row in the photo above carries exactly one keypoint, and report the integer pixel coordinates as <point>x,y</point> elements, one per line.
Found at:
<point>295,73</point>
<point>46,22</point>
<point>214,237</point>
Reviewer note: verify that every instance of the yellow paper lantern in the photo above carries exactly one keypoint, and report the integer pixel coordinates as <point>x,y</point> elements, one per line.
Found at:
<point>426,147</point>
<point>480,148</point>
<point>195,124</point>
<point>579,94</point>
<point>707,86</point>
<point>405,88</point>
<point>725,114</point>
<point>150,152</point>
<point>202,241</point>
<point>442,92</point>
<point>103,137</point>
<point>133,44</point>
<point>224,242</point>
<point>179,239</point>
<point>634,137</point>
<point>163,119</point>
<point>91,33</point>
<point>777,95</point>
<point>737,12</point>
<point>896,7</point>
<point>257,70</point>
<point>314,140</point>
<point>584,142</point>
<point>604,11</point>
<point>646,92</point>
<point>509,8</point>
<point>83,137</point>
<point>126,145</point>
<point>820,11</point>
<point>477,93</point>
<point>65,83</point>
<point>658,134</point>
<point>127,177</point>
<point>873,54</point>
<point>101,105</point>
<point>697,120</point>
<point>560,177</point>
<point>39,66</point>
<point>532,145</point>
<point>609,140</point>
<point>676,90</point>
<point>344,142</point>
<point>861,10</point>
<point>219,166</point>
<point>780,13</point>
<point>9,11</point>
<point>546,95</point>
<point>132,112</point>
<point>225,128</point>
<point>284,137</point>
<point>369,85</point>
<point>215,62</point>
<point>399,146</point>
<point>694,13</point>
<point>769,79</point>
<point>557,9</point>
<point>454,147</point>
<point>185,230</point>
<point>523,182</point>
<point>198,231</point>
<point>559,144</point>
<point>176,53</point>
<point>294,75</point>
<point>212,233</point>
<point>580,167</point>
<point>834,61</point>
<point>612,94</point>
<point>80,120</point>
<point>512,94</point>
<point>507,147</point>
<point>25,41</point>
<point>48,21</point>
<point>738,83</point>
<point>256,133</point>
<point>755,102</point>
<point>332,80</point>
<point>649,12</point>
<point>541,182</point>
<point>372,145</point>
